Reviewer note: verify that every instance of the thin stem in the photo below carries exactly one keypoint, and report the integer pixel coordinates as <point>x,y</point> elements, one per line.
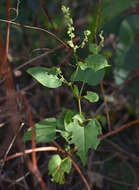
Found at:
<point>77,68</point>
<point>74,77</point>
<point>129,124</point>
<point>82,88</point>
<point>80,173</point>
<point>29,151</point>
<point>97,20</point>
<point>79,106</point>
<point>79,99</point>
<point>36,28</point>
<point>75,74</point>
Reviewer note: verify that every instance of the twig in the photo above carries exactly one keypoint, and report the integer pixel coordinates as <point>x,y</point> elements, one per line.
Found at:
<point>106,160</point>
<point>22,91</point>
<point>36,28</point>
<point>29,151</point>
<point>65,60</point>
<point>10,146</point>
<point>44,7</point>
<point>80,173</point>
<point>133,174</point>
<point>129,124</point>
<point>116,147</point>
<point>97,20</point>
<point>101,84</point>
<point>117,181</point>
<point>39,57</point>
<point>33,135</point>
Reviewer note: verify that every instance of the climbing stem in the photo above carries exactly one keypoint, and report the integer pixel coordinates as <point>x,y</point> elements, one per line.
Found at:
<point>77,68</point>
<point>82,88</point>
<point>79,106</point>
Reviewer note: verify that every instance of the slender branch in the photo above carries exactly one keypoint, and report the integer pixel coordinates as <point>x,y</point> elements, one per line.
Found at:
<point>29,151</point>
<point>129,124</point>
<point>10,146</point>
<point>80,173</point>
<point>79,106</point>
<point>33,134</point>
<point>117,181</point>
<point>82,88</point>
<point>97,20</point>
<point>36,28</point>
<point>118,148</point>
<point>45,10</point>
<point>135,185</point>
<point>101,84</point>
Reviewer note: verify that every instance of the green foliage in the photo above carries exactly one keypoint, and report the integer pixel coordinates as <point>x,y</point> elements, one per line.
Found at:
<point>95,62</point>
<point>76,91</point>
<point>71,125</point>
<point>77,130</point>
<point>84,137</point>
<point>92,97</point>
<point>48,77</point>
<point>58,167</point>
<point>45,131</point>
<point>81,133</point>
<point>89,76</point>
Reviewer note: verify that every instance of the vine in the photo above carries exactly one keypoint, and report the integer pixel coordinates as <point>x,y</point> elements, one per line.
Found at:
<point>74,127</point>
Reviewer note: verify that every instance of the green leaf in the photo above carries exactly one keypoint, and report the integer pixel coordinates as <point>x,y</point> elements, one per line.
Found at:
<point>54,163</point>
<point>58,167</point>
<point>46,76</point>
<point>60,120</point>
<point>84,137</point>
<point>69,117</point>
<point>92,96</point>
<point>66,165</point>
<point>45,131</point>
<point>64,119</point>
<point>95,62</point>
<point>89,76</point>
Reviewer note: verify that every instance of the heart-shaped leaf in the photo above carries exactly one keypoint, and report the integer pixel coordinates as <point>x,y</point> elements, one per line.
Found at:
<point>89,76</point>
<point>84,137</point>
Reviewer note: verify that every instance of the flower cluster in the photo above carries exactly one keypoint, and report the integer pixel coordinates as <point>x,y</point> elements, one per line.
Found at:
<point>101,44</point>
<point>71,29</point>
<point>85,40</point>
